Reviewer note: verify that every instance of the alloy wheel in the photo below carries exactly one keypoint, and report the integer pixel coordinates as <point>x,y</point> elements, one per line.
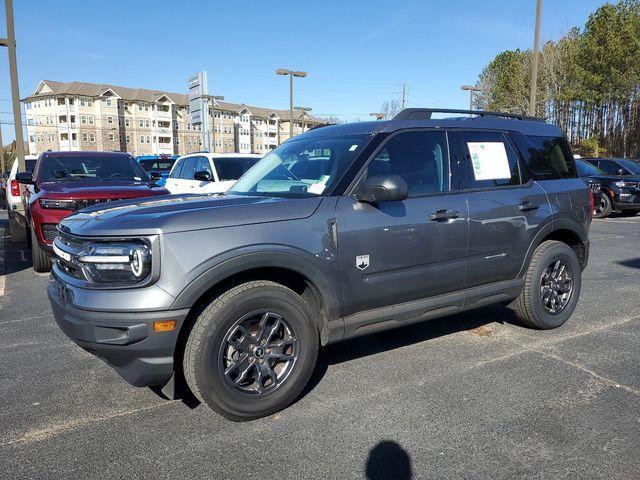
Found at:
<point>258,353</point>
<point>556,286</point>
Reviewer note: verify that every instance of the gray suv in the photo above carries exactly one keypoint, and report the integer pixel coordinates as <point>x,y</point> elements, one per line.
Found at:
<point>341,231</point>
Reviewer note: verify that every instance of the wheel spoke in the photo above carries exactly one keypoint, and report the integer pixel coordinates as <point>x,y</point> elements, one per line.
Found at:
<point>242,367</point>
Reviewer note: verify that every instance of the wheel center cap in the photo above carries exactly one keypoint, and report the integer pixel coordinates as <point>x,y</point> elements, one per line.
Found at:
<point>259,352</point>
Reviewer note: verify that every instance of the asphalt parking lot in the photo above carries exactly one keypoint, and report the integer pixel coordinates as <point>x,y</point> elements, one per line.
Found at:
<point>469,396</point>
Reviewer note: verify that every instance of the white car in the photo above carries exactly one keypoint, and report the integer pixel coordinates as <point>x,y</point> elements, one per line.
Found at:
<point>12,192</point>
<point>208,172</point>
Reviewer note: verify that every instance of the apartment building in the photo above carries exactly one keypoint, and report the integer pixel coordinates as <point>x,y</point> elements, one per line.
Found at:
<point>89,116</point>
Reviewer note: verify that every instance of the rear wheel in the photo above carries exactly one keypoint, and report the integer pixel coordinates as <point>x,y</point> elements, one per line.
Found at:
<point>41,261</point>
<point>251,351</point>
<point>551,286</point>
<point>604,208</point>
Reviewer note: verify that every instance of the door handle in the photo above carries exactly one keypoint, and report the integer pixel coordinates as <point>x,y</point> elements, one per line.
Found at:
<point>441,215</point>
<point>528,206</point>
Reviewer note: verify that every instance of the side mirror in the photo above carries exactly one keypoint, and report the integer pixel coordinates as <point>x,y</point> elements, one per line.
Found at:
<point>155,176</point>
<point>24,178</point>
<point>622,172</point>
<point>202,175</point>
<point>383,188</point>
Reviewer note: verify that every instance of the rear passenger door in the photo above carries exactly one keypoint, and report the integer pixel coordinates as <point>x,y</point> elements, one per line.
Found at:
<point>505,206</point>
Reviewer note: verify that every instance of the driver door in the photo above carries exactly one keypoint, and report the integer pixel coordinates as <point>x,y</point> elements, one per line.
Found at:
<point>395,252</point>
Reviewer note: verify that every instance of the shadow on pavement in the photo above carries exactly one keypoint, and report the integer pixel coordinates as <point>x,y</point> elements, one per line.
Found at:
<point>631,263</point>
<point>388,460</point>
<point>15,256</point>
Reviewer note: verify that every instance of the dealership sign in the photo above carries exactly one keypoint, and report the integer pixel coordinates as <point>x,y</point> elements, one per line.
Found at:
<point>197,98</point>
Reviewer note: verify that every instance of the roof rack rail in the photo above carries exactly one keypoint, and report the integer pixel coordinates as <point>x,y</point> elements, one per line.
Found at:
<point>425,114</point>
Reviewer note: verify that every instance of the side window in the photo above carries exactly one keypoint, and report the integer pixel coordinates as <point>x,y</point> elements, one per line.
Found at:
<point>490,161</point>
<point>175,173</point>
<point>420,158</point>
<point>203,165</point>
<point>610,167</point>
<point>548,158</point>
<point>189,168</point>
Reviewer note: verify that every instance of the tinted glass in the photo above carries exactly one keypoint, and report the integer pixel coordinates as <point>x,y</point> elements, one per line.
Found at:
<point>548,158</point>
<point>156,165</point>
<point>585,169</point>
<point>189,168</point>
<point>233,168</point>
<point>90,168</point>
<point>607,166</point>
<point>302,167</point>
<point>490,161</point>
<point>420,158</point>
<point>203,165</point>
<point>29,164</point>
<point>631,166</point>
<point>175,173</point>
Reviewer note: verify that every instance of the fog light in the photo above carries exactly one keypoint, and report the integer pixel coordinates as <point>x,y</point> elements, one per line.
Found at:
<point>164,325</point>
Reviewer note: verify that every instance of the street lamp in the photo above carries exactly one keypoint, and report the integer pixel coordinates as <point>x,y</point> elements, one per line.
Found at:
<point>291,73</point>
<point>471,89</point>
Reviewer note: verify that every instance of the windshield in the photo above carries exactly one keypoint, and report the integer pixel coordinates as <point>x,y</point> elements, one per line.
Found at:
<point>630,165</point>
<point>90,168</point>
<point>156,165</point>
<point>304,167</point>
<point>585,169</point>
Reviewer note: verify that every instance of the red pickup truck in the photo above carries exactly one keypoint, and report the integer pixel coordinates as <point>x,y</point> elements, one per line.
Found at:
<point>64,182</point>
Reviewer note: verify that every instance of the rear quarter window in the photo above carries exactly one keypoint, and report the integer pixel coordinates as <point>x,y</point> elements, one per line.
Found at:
<point>547,158</point>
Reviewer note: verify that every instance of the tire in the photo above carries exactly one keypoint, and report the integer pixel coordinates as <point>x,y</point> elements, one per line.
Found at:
<point>206,357</point>
<point>17,233</point>
<point>41,261</point>
<point>605,208</point>
<point>529,306</point>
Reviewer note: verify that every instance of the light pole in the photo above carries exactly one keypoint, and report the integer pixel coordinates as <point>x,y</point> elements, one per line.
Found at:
<point>212,143</point>
<point>291,73</point>
<point>534,67</point>
<point>471,89</point>
<point>10,43</point>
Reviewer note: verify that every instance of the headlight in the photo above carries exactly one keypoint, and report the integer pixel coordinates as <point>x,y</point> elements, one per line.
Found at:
<point>57,204</point>
<point>622,184</point>
<point>117,262</point>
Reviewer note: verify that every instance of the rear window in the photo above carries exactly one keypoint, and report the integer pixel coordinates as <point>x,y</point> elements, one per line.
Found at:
<point>156,165</point>
<point>233,168</point>
<point>548,158</point>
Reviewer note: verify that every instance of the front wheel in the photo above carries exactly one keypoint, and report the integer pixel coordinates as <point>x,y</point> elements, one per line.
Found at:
<point>41,261</point>
<point>251,351</point>
<point>604,208</point>
<point>551,286</point>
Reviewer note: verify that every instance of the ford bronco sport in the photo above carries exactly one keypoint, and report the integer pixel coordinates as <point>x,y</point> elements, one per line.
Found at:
<point>341,231</point>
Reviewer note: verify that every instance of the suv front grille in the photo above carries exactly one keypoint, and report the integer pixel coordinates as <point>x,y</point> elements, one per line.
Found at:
<point>72,246</point>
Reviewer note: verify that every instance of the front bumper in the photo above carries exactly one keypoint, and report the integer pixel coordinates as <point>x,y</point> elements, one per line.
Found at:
<point>627,200</point>
<point>124,340</point>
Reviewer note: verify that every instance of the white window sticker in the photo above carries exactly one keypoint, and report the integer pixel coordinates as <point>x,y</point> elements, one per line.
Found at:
<point>489,159</point>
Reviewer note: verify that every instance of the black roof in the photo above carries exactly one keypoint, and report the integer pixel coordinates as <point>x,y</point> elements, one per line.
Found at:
<point>476,120</point>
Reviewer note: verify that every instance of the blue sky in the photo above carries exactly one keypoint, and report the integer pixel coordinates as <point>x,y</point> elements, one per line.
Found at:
<point>357,53</point>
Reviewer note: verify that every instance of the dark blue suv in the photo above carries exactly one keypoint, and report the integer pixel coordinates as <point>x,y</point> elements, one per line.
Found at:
<point>339,232</point>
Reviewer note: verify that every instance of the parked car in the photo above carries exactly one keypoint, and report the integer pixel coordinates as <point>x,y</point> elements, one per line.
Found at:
<point>157,163</point>
<point>620,191</point>
<point>208,172</point>
<point>65,182</point>
<point>339,232</point>
<point>588,173</point>
<point>12,195</point>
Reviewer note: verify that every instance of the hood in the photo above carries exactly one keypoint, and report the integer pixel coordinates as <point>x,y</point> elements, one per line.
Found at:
<point>181,213</point>
<point>77,190</point>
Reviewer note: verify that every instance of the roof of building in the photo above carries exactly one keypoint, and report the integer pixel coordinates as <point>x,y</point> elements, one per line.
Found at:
<point>47,88</point>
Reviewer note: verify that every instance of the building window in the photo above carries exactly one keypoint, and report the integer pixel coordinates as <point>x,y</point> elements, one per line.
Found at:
<point>108,102</point>
<point>92,137</point>
<point>128,138</point>
<point>90,118</point>
<point>110,120</point>
<point>112,137</point>
<point>126,122</point>
<point>85,137</point>
<point>29,105</point>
